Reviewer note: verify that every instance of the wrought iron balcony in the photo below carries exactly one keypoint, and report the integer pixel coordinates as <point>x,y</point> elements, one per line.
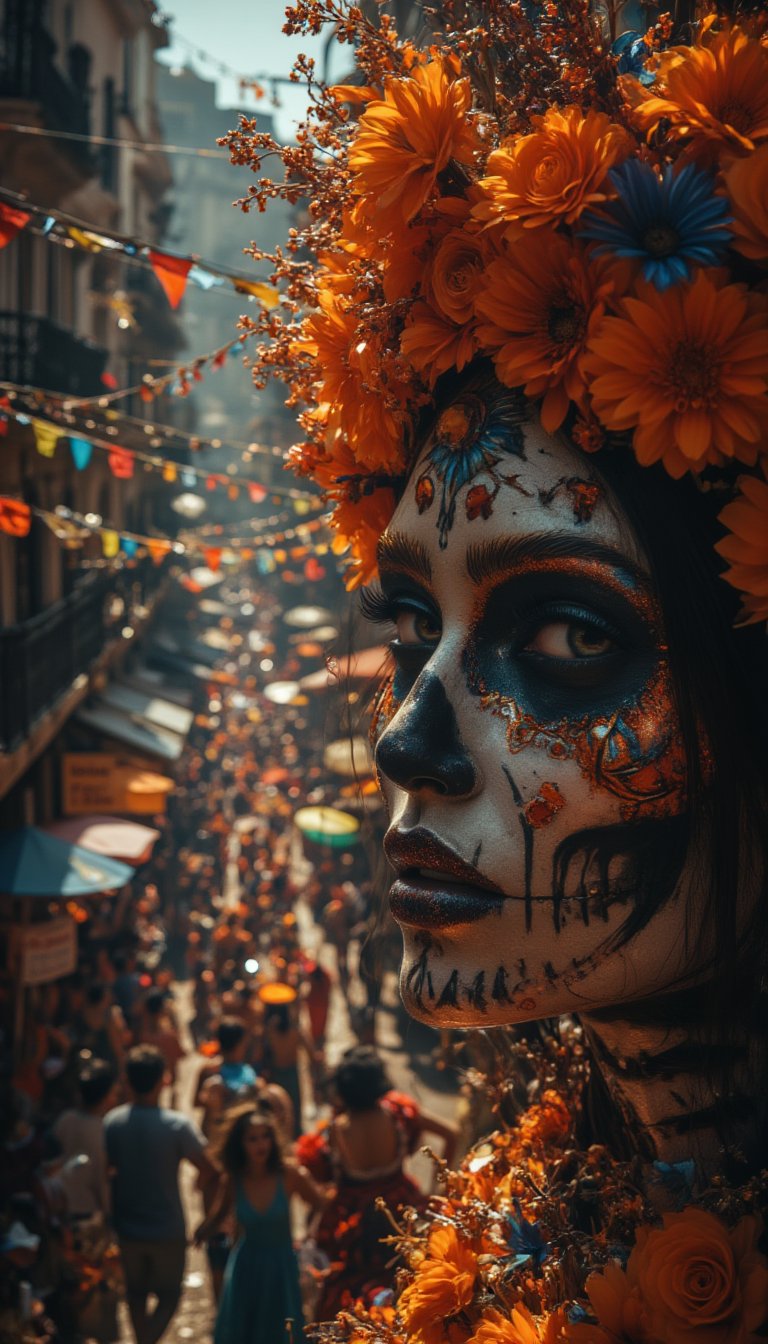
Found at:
<point>39,353</point>
<point>40,658</point>
<point>28,73</point>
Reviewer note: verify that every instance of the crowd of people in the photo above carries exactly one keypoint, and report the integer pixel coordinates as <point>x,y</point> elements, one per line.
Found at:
<point>230,945</point>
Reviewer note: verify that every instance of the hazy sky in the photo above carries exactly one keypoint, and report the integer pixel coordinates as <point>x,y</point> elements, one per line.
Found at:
<point>245,35</point>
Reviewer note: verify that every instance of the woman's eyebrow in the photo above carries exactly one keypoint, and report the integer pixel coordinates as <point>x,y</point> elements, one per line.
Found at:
<point>398,554</point>
<point>491,559</point>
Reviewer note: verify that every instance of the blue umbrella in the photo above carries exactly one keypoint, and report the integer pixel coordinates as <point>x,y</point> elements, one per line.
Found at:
<point>35,864</point>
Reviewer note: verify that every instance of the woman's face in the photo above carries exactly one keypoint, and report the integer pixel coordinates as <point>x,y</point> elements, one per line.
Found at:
<point>528,744</point>
<point>258,1143</point>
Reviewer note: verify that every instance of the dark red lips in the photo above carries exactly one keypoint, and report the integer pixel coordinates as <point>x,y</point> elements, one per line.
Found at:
<point>457,894</point>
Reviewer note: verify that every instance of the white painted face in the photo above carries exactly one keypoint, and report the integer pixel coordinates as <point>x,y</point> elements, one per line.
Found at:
<point>528,745</point>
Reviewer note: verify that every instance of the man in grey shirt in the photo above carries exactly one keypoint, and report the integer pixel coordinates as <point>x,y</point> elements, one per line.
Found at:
<point>145,1145</point>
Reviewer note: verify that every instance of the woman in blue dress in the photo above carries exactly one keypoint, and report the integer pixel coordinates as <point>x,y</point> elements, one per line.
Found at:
<point>261,1301</point>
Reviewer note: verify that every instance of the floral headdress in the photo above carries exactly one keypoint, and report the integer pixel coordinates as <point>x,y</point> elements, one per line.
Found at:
<point>588,211</point>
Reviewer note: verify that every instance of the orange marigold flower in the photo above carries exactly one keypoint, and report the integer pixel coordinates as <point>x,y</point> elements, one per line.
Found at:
<point>405,139</point>
<point>519,1327</point>
<point>698,1280</point>
<point>555,172</point>
<point>548,1121</point>
<point>432,344</point>
<point>543,302</point>
<point>746,546</point>
<point>363,405</point>
<point>685,368</point>
<point>746,182</point>
<point>442,1286</point>
<point>358,527</point>
<point>714,94</point>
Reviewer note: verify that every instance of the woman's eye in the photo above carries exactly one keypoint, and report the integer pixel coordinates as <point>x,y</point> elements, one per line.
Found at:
<point>417,627</point>
<point>571,640</point>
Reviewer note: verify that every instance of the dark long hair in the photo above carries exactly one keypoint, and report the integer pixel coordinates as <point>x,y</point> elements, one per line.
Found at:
<point>231,1149</point>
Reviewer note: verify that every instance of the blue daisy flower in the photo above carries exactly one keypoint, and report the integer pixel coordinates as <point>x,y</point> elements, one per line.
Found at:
<point>667,222</point>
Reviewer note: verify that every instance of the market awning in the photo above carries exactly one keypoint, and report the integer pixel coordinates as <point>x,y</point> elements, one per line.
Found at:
<point>152,682</point>
<point>131,729</point>
<point>127,841</point>
<point>33,863</point>
<point>365,665</point>
<point>152,708</point>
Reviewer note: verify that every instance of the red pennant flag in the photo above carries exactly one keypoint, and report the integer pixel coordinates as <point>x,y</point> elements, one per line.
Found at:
<point>211,482</point>
<point>257,493</point>
<point>212,556</point>
<point>172,273</point>
<point>121,463</point>
<point>11,222</point>
<point>15,517</point>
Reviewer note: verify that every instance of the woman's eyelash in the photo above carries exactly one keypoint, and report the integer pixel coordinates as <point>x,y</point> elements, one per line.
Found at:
<point>377,607</point>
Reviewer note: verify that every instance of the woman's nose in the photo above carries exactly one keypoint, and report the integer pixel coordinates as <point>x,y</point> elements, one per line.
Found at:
<point>421,749</point>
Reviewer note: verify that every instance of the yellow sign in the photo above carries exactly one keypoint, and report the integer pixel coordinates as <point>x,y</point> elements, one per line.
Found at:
<point>99,782</point>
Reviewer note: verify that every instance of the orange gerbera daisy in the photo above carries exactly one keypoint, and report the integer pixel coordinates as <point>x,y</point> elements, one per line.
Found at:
<point>519,1327</point>
<point>685,368</point>
<point>363,405</point>
<point>442,1286</point>
<point>405,139</point>
<point>746,546</point>
<point>554,173</point>
<point>746,182</point>
<point>715,94</point>
<point>542,303</point>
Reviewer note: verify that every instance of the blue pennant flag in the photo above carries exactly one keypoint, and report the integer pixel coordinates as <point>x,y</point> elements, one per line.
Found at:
<point>81,451</point>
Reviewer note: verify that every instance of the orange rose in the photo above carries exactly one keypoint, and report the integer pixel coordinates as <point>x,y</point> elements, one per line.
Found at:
<point>746,181</point>
<point>699,1281</point>
<point>553,174</point>
<point>442,1286</point>
<point>456,275</point>
<point>432,344</point>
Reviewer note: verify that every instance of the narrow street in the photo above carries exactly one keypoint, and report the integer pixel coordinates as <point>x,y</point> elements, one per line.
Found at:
<point>195,1316</point>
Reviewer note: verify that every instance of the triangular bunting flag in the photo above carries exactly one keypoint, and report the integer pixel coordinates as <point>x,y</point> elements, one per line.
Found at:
<point>257,493</point>
<point>81,451</point>
<point>128,546</point>
<point>172,272</point>
<point>15,517</point>
<point>11,221</point>
<point>170,472</point>
<point>268,295</point>
<point>46,437</point>
<point>158,550</point>
<point>110,543</point>
<point>121,463</point>
<point>212,555</point>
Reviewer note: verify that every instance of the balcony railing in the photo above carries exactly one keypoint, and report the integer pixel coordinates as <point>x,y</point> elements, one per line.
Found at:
<point>27,71</point>
<point>39,353</point>
<point>40,658</point>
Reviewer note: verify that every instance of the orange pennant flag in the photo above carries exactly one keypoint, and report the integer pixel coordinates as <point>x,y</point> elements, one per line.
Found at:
<point>11,221</point>
<point>158,550</point>
<point>15,517</point>
<point>212,556</point>
<point>172,273</point>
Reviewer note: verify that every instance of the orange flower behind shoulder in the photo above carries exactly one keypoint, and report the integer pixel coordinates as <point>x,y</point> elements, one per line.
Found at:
<point>442,1286</point>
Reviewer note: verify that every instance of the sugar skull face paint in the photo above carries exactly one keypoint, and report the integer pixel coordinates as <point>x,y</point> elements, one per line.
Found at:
<point>528,745</point>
